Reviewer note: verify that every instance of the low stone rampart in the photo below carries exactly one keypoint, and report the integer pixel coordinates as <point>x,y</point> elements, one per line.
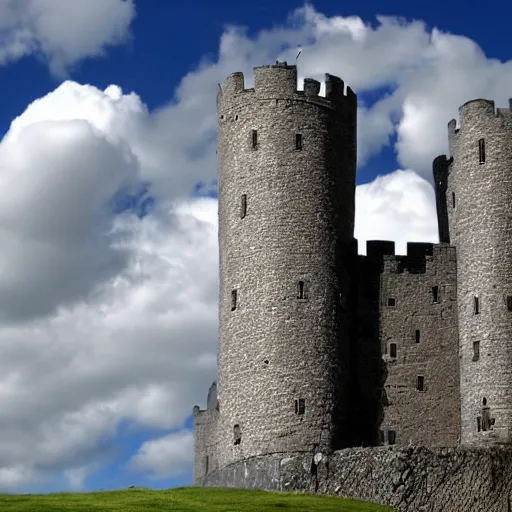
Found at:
<point>414,479</point>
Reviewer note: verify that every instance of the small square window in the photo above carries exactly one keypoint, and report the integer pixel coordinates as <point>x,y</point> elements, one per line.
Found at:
<point>391,302</point>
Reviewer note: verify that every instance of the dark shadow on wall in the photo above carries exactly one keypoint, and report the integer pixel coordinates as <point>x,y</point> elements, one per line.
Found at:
<point>368,367</point>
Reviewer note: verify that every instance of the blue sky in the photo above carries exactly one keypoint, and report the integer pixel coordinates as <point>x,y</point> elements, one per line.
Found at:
<point>168,41</point>
<point>108,320</point>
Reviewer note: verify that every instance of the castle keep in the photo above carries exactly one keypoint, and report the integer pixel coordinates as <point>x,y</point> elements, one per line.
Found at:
<point>322,350</point>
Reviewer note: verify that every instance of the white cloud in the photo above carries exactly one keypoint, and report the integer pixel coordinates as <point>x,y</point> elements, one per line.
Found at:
<point>164,457</point>
<point>60,31</point>
<point>426,74</point>
<point>106,318</point>
<point>140,349</point>
<point>16,476</point>
<point>58,178</point>
<point>399,206</point>
<point>110,318</point>
<point>76,477</point>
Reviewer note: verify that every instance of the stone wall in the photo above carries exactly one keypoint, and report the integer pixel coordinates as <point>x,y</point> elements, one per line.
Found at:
<point>206,425</point>
<point>406,328</point>
<point>418,333</point>
<point>408,479</point>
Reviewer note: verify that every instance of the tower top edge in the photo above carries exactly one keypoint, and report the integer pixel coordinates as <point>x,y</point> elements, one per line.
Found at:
<point>280,65</point>
<point>479,110</point>
<point>280,81</point>
<point>477,100</point>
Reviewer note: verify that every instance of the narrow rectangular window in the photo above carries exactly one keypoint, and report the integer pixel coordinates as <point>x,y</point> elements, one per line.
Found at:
<point>300,290</point>
<point>476,305</point>
<point>391,302</point>
<point>237,434</point>
<point>392,350</point>
<point>509,302</point>
<point>300,406</point>
<point>435,294</point>
<point>479,423</point>
<point>243,206</point>
<point>391,437</point>
<point>298,141</point>
<point>417,336</point>
<point>481,150</point>
<point>233,300</point>
<point>453,199</point>
<point>206,464</point>
<point>476,350</point>
<point>420,383</point>
<point>254,138</point>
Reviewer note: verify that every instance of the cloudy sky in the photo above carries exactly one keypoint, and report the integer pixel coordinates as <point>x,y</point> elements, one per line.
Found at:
<point>108,236</point>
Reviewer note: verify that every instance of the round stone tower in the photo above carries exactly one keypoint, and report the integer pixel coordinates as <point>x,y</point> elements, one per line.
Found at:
<point>479,210</point>
<point>287,165</point>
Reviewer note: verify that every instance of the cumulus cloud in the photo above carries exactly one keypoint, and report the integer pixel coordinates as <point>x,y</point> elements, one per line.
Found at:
<point>140,349</point>
<point>399,206</point>
<point>410,80</point>
<point>60,173</point>
<point>62,32</point>
<point>108,318</point>
<point>166,456</point>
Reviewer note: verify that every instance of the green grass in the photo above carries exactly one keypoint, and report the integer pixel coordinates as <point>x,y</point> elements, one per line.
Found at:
<point>183,499</point>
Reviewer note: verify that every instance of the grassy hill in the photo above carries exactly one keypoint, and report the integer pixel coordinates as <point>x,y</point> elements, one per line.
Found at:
<point>183,499</point>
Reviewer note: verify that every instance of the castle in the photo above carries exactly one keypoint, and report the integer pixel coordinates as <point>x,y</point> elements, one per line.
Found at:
<point>322,349</point>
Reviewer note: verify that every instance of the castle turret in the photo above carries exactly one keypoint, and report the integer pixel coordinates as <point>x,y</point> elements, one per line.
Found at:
<point>478,199</point>
<point>286,218</point>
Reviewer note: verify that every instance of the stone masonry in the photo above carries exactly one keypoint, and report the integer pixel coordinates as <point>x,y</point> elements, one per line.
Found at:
<point>286,211</point>
<point>320,349</point>
<point>416,479</point>
<point>479,191</point>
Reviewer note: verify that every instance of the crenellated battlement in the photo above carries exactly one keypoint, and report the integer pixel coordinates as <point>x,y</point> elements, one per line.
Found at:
<point>420,256</point>
<point>279,81</point>
<point>379,248</point>
<point>479,111</point>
